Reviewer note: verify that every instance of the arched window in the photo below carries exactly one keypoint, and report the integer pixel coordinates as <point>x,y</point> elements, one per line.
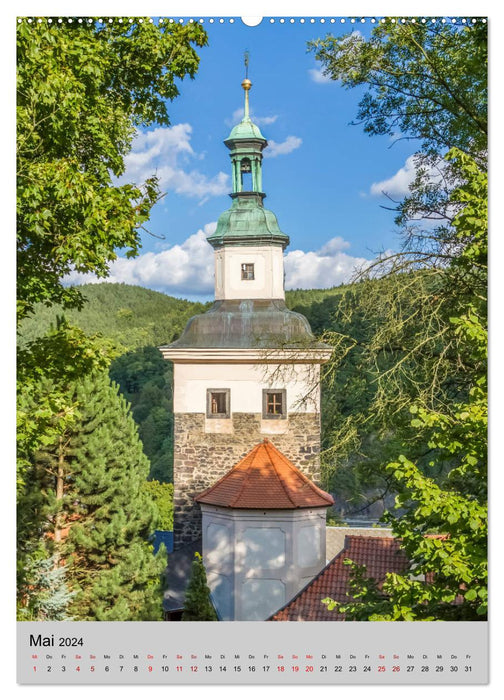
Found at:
<point>246,175</point>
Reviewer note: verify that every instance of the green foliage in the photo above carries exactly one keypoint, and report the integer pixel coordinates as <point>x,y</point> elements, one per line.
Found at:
<point>146,381</point>
<point>82,91</point>
<point>197,605</point>
<point>46,594</point>
<point>423,80</point>
<point>130,317</point>
<point>144,377</point>
<point>162,496</point>
<point>426,350</point>
<point>45,369</point>
<point>94,513</point>
<point>443,526</point>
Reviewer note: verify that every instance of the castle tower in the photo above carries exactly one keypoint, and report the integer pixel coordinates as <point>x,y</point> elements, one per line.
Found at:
<point>264,528</point>
<point>248,368</point>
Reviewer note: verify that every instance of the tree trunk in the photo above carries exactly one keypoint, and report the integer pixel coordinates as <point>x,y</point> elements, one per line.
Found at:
<point>58,521</point>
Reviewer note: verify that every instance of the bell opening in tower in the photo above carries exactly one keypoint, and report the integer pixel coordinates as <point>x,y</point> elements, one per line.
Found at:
<point>246,175</point>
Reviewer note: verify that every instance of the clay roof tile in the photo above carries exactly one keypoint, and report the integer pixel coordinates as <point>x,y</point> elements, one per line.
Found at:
<point>381,555</point>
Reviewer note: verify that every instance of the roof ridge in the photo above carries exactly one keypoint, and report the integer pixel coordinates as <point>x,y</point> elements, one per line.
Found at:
<point>251,455</point>
<point>307,481</point>
<point>243,486</point>
<point>284,485</point>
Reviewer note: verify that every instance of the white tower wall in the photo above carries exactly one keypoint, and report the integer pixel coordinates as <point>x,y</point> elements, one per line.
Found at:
<point>268,272</point>
<point>257,560</point>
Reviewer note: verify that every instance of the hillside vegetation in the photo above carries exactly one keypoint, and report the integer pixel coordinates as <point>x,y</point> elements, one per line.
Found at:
<point>137,320</point>
<point>131,317</point>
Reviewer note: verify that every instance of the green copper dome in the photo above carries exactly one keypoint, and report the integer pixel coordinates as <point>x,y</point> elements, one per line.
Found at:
<point>246,129</point>
<point>247,222</point>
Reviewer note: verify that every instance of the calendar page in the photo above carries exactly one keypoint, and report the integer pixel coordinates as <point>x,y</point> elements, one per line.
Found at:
<point>252,349</point>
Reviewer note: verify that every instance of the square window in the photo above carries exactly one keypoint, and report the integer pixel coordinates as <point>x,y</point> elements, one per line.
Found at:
<point>247,271</point>
<point>218,401</point>
<point>274,403</point>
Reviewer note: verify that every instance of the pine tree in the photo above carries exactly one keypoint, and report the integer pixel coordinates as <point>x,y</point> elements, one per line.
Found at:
<point>97,515</point>
<point>197,606</point>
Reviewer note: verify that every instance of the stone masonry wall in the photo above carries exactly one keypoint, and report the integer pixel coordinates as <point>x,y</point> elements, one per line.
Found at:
<point>201,458</point>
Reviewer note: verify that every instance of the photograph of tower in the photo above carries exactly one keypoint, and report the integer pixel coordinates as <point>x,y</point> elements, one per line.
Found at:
<point>231,410</point>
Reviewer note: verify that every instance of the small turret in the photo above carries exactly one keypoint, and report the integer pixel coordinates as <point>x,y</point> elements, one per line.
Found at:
<point>247,222</point>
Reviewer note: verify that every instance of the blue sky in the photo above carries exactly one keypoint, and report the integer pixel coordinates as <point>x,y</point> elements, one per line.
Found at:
<point>323,177</point>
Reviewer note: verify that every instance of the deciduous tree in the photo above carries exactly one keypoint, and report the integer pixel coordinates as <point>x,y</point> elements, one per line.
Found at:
<point>427,82</point>
<point>83,89</point>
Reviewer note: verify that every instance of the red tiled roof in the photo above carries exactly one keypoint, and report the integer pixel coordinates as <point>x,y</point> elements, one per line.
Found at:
<point>265,478</point>
<point>381,555</point>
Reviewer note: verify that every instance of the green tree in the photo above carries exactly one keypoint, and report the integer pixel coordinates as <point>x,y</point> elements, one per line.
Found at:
<point>427,82</point>
<point>443,526</point>
<point>443,523</point>
<point>197,604</point>
<point>46,367</point>
<point>95,516</point>
<point>423,80</point>
<point>83,89</point>
<point>162,495</point>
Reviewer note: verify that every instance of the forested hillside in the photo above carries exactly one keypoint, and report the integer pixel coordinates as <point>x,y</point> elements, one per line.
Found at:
<point>131,317</point>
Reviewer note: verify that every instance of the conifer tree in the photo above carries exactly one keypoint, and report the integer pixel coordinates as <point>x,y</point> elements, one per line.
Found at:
<point>50,595</point>
<point>197,605</point>
<point>98,515</point>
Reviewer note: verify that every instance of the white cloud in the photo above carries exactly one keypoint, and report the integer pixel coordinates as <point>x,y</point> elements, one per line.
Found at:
<point>398,184</point>
<point>264,121</point>
<point>317,75</point>
<point>280,149</point>
<point>163,152</point>
<point>188,269</point>
<point>322,268</point>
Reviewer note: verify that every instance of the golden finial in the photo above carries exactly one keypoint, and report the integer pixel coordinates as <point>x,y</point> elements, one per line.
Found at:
<point>246,85</point>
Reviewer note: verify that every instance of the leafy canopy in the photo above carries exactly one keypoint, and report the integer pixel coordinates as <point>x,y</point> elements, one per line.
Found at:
<point>427,354</point>
<point>82,89</point>
<point>425,81</point>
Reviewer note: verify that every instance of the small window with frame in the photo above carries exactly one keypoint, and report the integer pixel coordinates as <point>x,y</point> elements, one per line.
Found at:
<point>247,271</point>
<point>218,402</point>
<point>274,404</point>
